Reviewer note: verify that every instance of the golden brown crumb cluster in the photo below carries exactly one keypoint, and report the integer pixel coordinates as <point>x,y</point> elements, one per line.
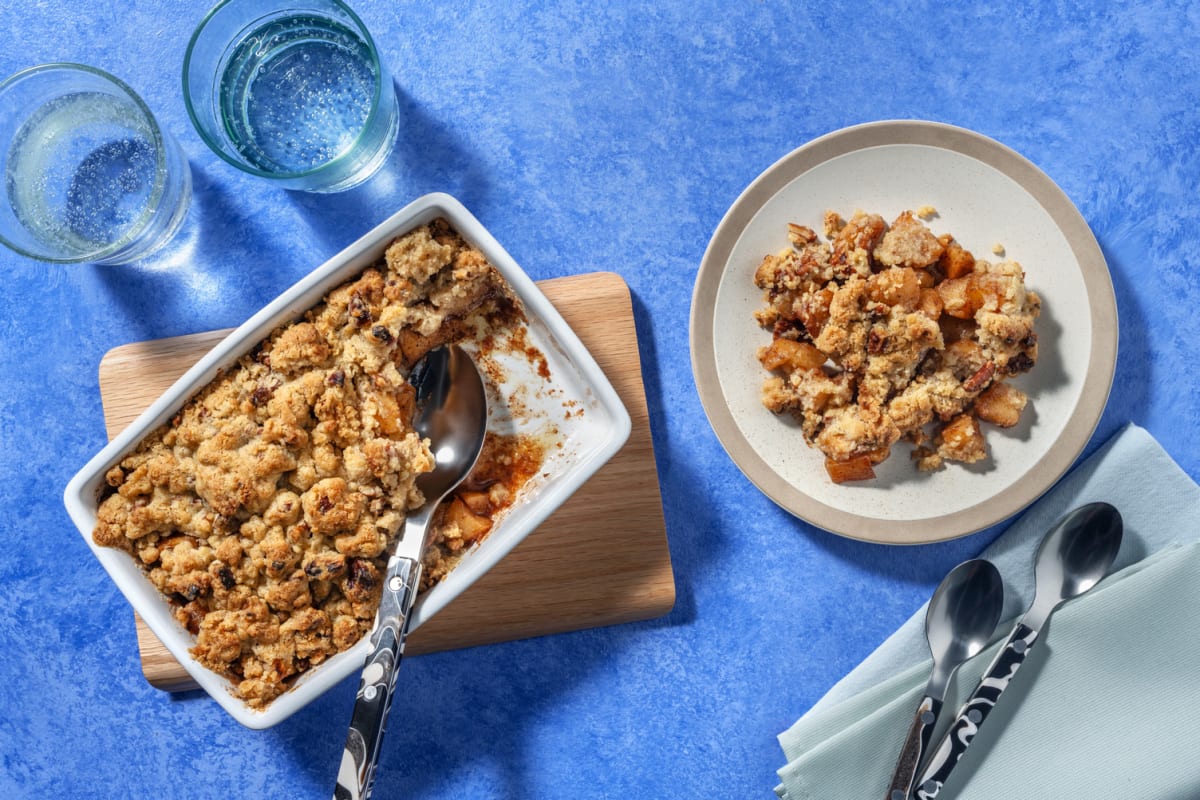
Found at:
<point>265,507</point>
<point>888,332</point>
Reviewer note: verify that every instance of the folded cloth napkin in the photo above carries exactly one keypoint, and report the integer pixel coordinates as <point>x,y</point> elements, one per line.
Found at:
<point>1105,706</point>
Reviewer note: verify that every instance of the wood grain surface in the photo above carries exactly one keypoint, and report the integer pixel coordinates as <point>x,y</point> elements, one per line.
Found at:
<point>600,559</point>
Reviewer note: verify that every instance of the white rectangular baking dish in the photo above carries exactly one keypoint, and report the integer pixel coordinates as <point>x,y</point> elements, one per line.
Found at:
<point>587,440</point>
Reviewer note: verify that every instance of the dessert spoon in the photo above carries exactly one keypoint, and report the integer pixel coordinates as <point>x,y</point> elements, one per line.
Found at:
<point>961,618</point>
<point>451,412</point>
<point>1072,558</point>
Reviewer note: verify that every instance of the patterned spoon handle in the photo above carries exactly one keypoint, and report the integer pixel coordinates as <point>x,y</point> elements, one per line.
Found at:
<point>914,747</point>
<point>356,774</point>
<point>971,716</point>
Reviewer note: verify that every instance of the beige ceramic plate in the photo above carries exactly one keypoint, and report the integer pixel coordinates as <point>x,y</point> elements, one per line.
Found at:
<point>984,194</point>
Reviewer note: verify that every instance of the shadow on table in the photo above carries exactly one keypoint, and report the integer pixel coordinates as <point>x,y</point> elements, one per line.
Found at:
<point>463,720</point>
<point>1126,252</point>
<point>428,156</point>
<point>166,288</point>
<point>697,544</point>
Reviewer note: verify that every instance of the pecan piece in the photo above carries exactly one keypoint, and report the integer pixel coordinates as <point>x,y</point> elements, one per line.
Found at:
<point>981,377</point>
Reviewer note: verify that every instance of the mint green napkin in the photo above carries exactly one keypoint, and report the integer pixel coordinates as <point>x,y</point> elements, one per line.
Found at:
<point>1105,706</point>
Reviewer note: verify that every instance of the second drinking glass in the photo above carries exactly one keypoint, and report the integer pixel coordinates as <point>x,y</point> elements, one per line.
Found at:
<point>297,95</point>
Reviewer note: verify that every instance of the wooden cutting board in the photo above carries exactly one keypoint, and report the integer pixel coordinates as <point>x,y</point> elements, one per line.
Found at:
<point>600,559</point>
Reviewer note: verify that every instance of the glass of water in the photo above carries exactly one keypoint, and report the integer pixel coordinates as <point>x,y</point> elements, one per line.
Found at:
<point>88,173</point>
<point>293,92</point>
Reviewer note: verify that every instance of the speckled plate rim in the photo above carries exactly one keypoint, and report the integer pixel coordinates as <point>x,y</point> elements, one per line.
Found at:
<point>1097,381</point>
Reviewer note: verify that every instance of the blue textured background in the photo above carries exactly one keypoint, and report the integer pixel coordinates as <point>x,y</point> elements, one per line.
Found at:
<point>586,138</point>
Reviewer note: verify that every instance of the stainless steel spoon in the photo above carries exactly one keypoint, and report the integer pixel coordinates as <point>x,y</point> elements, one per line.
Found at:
<point>962,617</point>
<point>451,411</point>
<point>1072,558</point>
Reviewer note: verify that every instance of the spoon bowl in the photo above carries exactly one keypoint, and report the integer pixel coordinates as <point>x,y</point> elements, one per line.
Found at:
<point>1077,553</point>
<point>451,412</point>
<point>963,613</point>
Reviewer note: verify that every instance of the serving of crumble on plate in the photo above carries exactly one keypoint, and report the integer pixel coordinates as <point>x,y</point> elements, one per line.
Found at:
<point>959,186</point>
<point>882,333</point>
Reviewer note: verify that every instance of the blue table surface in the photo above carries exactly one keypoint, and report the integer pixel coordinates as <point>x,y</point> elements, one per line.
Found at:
<point>586,137</point>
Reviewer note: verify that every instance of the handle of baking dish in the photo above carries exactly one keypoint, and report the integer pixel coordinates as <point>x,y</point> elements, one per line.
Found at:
<point>356,774</point>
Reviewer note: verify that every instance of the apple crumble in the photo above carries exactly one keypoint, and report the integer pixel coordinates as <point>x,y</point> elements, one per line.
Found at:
<point>265,508</point>
<point>883,333</point>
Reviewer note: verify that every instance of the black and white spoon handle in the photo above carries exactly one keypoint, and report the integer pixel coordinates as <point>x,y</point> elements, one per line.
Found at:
<point>975,710</point>
<point>356,774</point>
<point>915,746</point>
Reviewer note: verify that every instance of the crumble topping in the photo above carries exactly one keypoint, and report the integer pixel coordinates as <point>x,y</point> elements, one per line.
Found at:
<point>883,333</point>
<point>265,508</point>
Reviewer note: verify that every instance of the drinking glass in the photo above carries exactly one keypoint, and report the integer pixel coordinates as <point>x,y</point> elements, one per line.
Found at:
<point>88,173</point>
<point>295,93</point>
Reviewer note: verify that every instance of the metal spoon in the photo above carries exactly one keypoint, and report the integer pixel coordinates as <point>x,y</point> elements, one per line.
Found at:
<point>962,616</point>
<point>451,411</point>
<point>1072,558</point>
